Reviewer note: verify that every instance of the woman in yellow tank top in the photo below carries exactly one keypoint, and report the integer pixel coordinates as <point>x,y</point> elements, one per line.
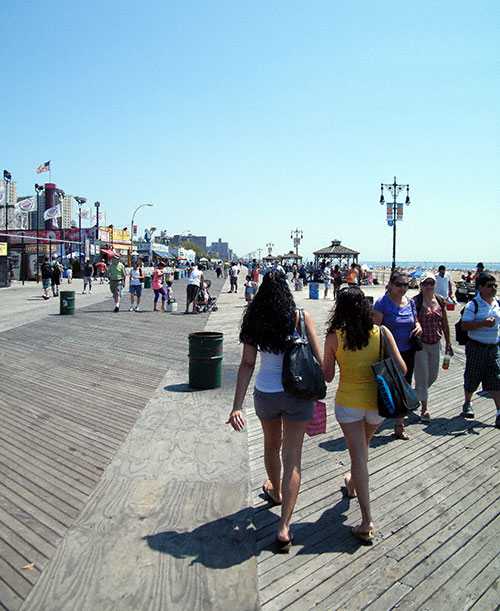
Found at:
<point>353,341</point>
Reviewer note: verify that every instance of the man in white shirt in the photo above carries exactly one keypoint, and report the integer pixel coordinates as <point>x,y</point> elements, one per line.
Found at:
<point>443,282</point>
<point>327,278</point>
<point>481,319</point>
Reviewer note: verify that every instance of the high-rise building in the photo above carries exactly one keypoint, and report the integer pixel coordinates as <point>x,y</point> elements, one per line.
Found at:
<point>8,202</point>
<point>222,249</point>
<point>67,211</point>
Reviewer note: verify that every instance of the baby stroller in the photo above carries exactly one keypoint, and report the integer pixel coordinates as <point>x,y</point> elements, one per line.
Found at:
<point>204,301</point>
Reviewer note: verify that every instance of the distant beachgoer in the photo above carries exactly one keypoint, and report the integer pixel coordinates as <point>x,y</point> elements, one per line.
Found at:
<point>327,278</point>
<point>101,268</point>
<point>46,271</point>
<point>479,270</point>
<point>117,277</point>
<point>268,320</point>
<point>135,285</point>
<point>443,282</point>
<point>88,271</point>
<point>57,272</point>
<point>158,288</point>
<point>195,281</point>
<point>354,342</point>
<point>233,277</point>
<point>337,281</point>
<point>396,312</point>
<point>249,289</point>
<point>353,277</point>
<point>432,316</point>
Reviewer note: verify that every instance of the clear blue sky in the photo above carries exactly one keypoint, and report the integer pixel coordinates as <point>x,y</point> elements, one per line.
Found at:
<point>243,119</point>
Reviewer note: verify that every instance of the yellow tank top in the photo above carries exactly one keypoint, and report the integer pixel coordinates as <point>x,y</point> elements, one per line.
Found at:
<point>357,385</point>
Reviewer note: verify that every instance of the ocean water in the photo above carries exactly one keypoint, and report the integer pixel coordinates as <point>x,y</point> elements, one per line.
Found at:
<point>462,265</point>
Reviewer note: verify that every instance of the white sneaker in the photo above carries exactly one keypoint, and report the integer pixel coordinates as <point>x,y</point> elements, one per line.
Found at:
<point>136,308</point>
<point>131,309</point>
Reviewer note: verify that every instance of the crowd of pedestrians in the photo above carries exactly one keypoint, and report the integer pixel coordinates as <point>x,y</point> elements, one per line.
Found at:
<point>357,334</point>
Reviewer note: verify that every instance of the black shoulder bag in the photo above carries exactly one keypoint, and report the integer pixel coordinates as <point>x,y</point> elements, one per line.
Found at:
<point>302,375</point>
<point>395,396</point>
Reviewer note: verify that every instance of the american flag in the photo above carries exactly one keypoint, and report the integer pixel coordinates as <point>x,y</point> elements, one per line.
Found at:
<point>44,167</point>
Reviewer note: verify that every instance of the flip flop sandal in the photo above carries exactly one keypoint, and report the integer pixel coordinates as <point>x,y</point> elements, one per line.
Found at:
<point>284,547</point>
<point>268,496</point>
<point>400,432</point>
<point>365,536</point>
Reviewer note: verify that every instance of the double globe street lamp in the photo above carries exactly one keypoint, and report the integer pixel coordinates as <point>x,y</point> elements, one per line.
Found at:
<point>394,210</point>
<point>132,230</point>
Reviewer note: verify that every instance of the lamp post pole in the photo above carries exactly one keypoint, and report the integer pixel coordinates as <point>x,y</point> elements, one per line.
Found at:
<point>296,236</point>
<point>7,176</point>
<point>132,231</point>
<point>270,246</point>
<point>60,195</point>
<point>80,201</point>
<point>97,205</point>
<point>38,189</point>
<point>394,210</point>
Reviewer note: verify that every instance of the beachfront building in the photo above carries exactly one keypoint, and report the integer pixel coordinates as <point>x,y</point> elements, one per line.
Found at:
<point>336,252</point>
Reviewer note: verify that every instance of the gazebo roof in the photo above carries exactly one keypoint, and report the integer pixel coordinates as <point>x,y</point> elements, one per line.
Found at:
<point>335,250</point>
<point>291,255</point>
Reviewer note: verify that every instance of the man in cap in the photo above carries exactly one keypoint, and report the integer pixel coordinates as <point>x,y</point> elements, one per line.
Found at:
<point>117,275</point>
<point>481,320</point>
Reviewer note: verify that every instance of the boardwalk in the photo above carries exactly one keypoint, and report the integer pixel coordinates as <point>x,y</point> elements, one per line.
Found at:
<point>75,394</point>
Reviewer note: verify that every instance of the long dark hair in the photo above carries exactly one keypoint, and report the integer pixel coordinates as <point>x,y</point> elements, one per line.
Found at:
<point>270,317</point>
<point>352,314</point>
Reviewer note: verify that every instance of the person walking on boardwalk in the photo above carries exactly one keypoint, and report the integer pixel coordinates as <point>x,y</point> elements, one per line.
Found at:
<point>88,271</point>
<point>233,277</point>
<point>397,313</point>
<point>117,275</point>
<point>135,285</point>
<point>46,271</point>
<point>158,288</point>
<point>195,281</point>
<point>268,320</point>
<point>354,342</point>
<point>431,313</point>
<point>481,320</point>
<point>443,282</point>
<point>57,272</point>
<point>101,268</point>
<point>327,278</point>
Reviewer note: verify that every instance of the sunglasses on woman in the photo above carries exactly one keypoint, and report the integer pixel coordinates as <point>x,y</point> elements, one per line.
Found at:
<point>428,283</point>
<point>401,284</point>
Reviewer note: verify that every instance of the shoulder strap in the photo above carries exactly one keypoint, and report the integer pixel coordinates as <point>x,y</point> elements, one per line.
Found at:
<point>302,323</point>
<point>419,302</point>
<point>476,305</point>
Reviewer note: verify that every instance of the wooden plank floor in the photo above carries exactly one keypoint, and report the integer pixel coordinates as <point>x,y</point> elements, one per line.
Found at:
<point>72,388</point>
<point>434,502</point>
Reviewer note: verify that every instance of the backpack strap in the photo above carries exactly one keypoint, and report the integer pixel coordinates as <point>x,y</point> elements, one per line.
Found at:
<point>302,321</point>
<point>419,302</point>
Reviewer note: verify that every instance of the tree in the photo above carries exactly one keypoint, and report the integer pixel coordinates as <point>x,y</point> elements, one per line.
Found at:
<point>199,251</point>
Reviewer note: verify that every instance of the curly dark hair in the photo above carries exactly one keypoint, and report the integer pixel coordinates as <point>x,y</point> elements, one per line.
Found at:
<point>352,314</point>
<point>270,317</point>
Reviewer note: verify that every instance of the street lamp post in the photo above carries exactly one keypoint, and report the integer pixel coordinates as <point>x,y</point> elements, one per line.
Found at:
<point>97,205</point>
<point>38,189</point>
<point>80,201</point>
<point>7,176</point>
<point>296,236</point>
<point>394,210</point>
<point>132,231</point>
<point>60,195</point>
<point>270,246</point>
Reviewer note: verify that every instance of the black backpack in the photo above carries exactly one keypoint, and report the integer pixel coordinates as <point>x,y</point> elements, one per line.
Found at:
<point>460,335</point>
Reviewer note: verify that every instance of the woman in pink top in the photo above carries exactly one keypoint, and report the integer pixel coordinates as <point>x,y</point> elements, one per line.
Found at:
<point>157,286</point>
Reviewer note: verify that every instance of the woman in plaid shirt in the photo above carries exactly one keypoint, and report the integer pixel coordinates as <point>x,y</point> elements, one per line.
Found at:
<point>431,313</point>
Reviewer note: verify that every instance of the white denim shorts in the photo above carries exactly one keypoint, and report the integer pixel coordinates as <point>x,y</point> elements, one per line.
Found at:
<point>355,414</point>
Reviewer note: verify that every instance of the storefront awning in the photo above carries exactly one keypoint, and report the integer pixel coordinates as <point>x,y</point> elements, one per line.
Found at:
<point>109,252</point>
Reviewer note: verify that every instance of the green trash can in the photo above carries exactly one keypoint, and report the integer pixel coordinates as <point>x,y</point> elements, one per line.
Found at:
<point>176,274</point>
<point>205,359</point>
<point>67,302</point>
<point>148,281</point>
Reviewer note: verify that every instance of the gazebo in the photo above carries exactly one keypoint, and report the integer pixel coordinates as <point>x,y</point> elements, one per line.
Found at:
<point>336,252</point>
<point>291,258</point>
